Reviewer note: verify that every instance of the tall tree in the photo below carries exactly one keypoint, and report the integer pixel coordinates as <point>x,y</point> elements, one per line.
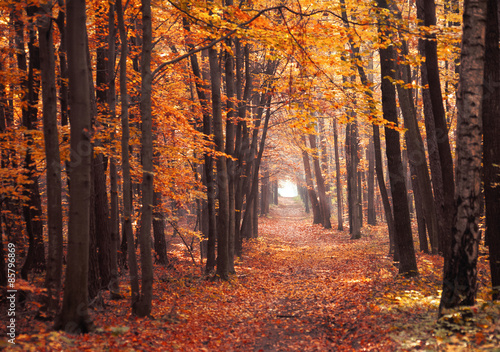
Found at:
<point>128,235</point>
<point>460,276</point>
<point>491,143</point>
<point>338,182</point>
<point>52,157</point>
<point>222,180</point>
<point>320,182</point>
<point>143,305</point>
<point>428,15</point>
<point>403,238</point>
<point>74,315</point>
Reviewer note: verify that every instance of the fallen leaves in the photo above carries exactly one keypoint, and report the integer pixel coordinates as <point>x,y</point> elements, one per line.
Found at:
<point>298,287</point>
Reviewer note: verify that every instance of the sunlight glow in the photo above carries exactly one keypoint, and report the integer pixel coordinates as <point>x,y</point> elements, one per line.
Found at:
<point>287,189</point>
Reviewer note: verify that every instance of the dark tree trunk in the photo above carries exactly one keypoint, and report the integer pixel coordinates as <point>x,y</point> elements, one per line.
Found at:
<point>340,213</point>
<point>310,186</point>
<point>160,244</point>
<point>265,192</point>
<point>127,246</point>
<point>323,199</point>
<point>403,238</point>
<point>230,147</point>
<point>491,144</point>
<point>142,307</point>
<point>101,203</point>
<point>460,276</point>
<point>275,192</point>
<point>370,180</point>
<point>30,85</point>
<point>222,176</point>
<point>416,153</point>
<point>114,217</point>
<point>428,15</point>
<point>74,315</point>
<point>53,160</point>
<point>352,182</point>
<point>421,223</point>
<point>201,88</point>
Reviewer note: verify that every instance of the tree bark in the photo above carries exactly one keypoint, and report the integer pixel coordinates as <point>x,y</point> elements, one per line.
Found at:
<point>317,219</point>
<point>491,144</point>
<point>340,213</point>
<point>128,235</point>
<point>432,73</point>
<point>416,152</point>
<point>74,315</point>
<point>53,160</point>
<point>370,155</point>
<point>142,307</point>
<point>323,199</point>
<point>403,238</point>
<point>460,276</point>
<point>222,176</point>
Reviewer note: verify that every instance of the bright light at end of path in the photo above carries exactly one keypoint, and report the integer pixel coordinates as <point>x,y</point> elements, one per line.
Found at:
<point>288,189</point>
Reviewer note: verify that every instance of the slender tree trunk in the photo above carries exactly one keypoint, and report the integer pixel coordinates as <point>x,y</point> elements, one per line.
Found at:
<point>143,305</point>
<point>416,153</point>
<point>370,155</point>
<point>160,244</point>
<point>491,144</point>
<point>432,73</point>
<point>102,220</point>
<point>114,217</point>
<point>403,238</point>
<point>128,235</point>
<point>222,176</point>
<point>230,146</point>
<point>310,186</point>
<point>323,199</point>
<point>460,276</point>
<point>53,159</point>
<point>74,315</point>
<point>30,85</point>
<point>340,213</point>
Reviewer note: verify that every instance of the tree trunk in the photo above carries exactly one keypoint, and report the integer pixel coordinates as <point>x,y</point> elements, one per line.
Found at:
<point>53,160</point>
<point>102,220</point>
<point>143,305</point>
<point>323,199</point>
<point>160,244</point>
<point>310,186</point>
<point>370,155</point>
<point>114,217</point>
<point>441,128</point>
<point>230,147</point>
<point>30,84</point>
<point>460,276</point>
<point>403,238</point>
<point>491,144</point>
<point>416,153</point>
<point>222,176</point>
<point>340,213</point>
<point>74,315</point>
<point>128,235</point>
<point>264,191</point>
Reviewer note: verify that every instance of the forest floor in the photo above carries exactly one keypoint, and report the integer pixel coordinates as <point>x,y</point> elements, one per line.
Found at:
<point>298,287</point>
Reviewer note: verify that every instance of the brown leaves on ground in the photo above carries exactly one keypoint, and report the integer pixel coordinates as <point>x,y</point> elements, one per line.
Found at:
<point>297,288</point>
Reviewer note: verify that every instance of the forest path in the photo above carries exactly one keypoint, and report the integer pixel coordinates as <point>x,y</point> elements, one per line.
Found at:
<point>298,287</point>
<point>319,292</point>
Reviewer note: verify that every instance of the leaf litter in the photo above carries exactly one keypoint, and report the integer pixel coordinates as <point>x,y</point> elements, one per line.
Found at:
<point>298,287</point>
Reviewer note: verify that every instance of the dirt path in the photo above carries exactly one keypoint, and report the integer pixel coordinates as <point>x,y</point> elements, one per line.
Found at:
<point>319,288</point>
<point>298,287</point>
